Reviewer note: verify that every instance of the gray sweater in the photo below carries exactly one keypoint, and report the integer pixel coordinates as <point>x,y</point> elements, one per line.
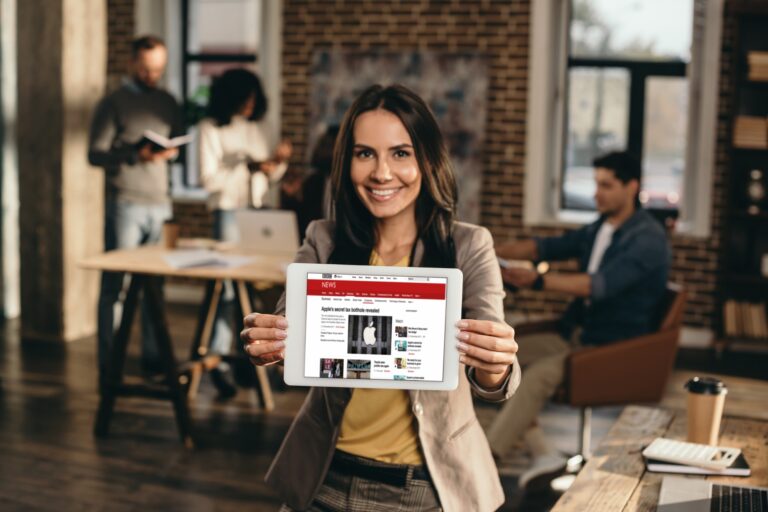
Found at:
<point>117,128</point>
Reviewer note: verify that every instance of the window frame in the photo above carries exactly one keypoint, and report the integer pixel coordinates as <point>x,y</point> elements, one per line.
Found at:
<point>639,71</point>
<point>188,58</point>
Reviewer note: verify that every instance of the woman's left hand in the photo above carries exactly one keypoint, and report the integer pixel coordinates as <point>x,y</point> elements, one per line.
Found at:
<point>489,347</point>
<point>284,150</point>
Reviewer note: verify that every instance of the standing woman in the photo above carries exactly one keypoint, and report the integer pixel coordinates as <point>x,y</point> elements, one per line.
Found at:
<point>239,170</point>
<point>369,449</point>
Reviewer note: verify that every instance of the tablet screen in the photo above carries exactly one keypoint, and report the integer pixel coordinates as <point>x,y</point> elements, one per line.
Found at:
<point>375,327</point>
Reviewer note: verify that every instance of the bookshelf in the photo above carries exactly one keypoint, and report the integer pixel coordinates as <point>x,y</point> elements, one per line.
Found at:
<point>743,275</point>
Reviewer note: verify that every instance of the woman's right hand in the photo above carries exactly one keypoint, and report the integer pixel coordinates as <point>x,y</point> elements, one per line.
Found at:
<point>264,338</point>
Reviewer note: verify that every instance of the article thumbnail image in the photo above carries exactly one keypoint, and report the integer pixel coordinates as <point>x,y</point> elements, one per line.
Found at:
<point>331,368</point>
<point>401,345</point>
<point>369,334</point>
<point>401,331</point>
<point>358,369</point>
<point>400,363</point>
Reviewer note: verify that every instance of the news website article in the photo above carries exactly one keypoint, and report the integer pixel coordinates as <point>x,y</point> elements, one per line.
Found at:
<point>375,327</point>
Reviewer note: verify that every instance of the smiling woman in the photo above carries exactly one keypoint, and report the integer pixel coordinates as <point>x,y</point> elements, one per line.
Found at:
<point>371,449</point>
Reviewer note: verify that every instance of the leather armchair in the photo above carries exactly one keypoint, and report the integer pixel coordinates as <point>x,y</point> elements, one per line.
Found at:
<point>623,372</point>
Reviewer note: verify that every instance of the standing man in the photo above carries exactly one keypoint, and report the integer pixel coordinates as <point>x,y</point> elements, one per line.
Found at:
<point>136,186</point>
<point>624,260</point>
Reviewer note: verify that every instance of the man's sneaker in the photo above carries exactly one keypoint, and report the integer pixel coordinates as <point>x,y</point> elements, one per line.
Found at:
<point>541,472</point>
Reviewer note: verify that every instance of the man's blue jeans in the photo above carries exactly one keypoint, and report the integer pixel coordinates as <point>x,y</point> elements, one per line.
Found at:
<point>128,225</point>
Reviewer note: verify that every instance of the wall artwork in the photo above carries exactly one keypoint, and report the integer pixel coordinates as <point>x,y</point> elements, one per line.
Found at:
<point>454,85</point>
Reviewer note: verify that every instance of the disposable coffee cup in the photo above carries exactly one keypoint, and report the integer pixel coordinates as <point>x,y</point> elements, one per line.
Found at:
<point>706,398</point>
<point>170,234</point>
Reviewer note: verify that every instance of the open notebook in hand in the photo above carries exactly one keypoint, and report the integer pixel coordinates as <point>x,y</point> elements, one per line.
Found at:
<point>159,142</point>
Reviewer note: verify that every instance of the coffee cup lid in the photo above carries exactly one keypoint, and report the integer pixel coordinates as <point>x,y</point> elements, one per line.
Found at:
<point>705,386</point>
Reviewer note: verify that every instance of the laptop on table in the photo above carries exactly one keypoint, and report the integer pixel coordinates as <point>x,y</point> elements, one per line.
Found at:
<point>268,231</point>
<point>680,494</point>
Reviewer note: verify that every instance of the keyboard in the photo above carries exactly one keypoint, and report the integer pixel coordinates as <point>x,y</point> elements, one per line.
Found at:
<point>726,498</point>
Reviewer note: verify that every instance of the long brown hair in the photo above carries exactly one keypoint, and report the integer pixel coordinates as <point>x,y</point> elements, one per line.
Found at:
<point>355,234</point>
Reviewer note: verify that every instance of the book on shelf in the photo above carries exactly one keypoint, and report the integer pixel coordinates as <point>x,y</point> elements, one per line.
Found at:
<point>758,74</point>
<point>729,318</point>
<point>745,320</point>
<point>750,132</point>
<point>757,58</point>
<point>746,315</point>
<point>758,65</point>
<point>758,320</point>
<point>740,467</point>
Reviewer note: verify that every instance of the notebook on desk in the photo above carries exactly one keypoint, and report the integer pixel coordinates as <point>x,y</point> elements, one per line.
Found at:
<point>681,494</point>
<point>740,467</point>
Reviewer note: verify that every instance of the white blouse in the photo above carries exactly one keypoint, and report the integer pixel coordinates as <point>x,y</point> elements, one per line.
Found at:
<point>224,153</point>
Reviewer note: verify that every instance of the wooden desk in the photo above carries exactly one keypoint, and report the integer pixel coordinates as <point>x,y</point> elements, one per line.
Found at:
<point>615,478</point>
<point>145,263</point>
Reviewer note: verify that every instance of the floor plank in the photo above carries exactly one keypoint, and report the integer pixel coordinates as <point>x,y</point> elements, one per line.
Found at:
<point>50,461</point>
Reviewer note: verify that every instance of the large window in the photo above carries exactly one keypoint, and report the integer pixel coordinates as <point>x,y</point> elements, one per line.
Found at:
<point>607,75</point>
<point>216,35</point>
<point>627,90</point>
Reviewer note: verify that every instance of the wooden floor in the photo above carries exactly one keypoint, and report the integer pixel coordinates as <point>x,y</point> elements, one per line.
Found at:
<point>50,461</point>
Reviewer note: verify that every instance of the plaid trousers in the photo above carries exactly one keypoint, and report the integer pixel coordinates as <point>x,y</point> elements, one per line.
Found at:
<point>342,491</point>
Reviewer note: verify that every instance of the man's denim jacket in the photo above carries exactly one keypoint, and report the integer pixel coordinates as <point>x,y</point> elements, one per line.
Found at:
<point>627,287</point>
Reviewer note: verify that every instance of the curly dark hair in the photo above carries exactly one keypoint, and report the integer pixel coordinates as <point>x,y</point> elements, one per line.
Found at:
<point>231,90</point>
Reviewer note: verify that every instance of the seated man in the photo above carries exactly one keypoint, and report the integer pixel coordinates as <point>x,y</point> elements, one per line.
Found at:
<point>624,259</point>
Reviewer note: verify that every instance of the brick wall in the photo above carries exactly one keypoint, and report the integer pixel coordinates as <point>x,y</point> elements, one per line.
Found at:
<point>194,218</point>
<point>500,30</point>
<point>120,33</point>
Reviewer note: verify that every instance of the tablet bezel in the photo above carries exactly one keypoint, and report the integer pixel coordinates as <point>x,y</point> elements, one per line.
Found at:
<point>296,314</point>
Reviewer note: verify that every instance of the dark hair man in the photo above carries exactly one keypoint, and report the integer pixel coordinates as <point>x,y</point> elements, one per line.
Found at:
<point>623,259</point>
<point>136,185</point>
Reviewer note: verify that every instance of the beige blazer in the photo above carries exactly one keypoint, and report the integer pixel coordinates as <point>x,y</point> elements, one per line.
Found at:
<point>454,445</point>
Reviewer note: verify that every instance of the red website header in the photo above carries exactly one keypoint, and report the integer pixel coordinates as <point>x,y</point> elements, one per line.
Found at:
<point>384,289</point>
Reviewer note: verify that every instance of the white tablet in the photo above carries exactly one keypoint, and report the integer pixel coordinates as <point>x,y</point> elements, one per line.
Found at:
<point>372,327</point>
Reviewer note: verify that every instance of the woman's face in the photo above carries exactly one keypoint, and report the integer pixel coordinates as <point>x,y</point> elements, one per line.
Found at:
<point>384,169</point>
<point>247,109</point>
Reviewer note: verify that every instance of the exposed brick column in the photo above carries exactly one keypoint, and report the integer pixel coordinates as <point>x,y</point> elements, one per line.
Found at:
<point>61,74</point>
<point>121,22</point>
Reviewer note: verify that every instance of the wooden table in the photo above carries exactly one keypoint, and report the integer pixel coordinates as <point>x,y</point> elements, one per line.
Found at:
<point>615,478</point>
<point>144,265</point>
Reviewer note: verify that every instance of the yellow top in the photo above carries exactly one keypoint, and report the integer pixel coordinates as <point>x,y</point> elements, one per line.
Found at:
<point>378,423</point>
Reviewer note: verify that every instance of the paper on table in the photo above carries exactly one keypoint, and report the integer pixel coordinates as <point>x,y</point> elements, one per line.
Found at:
<point>188,258</point>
